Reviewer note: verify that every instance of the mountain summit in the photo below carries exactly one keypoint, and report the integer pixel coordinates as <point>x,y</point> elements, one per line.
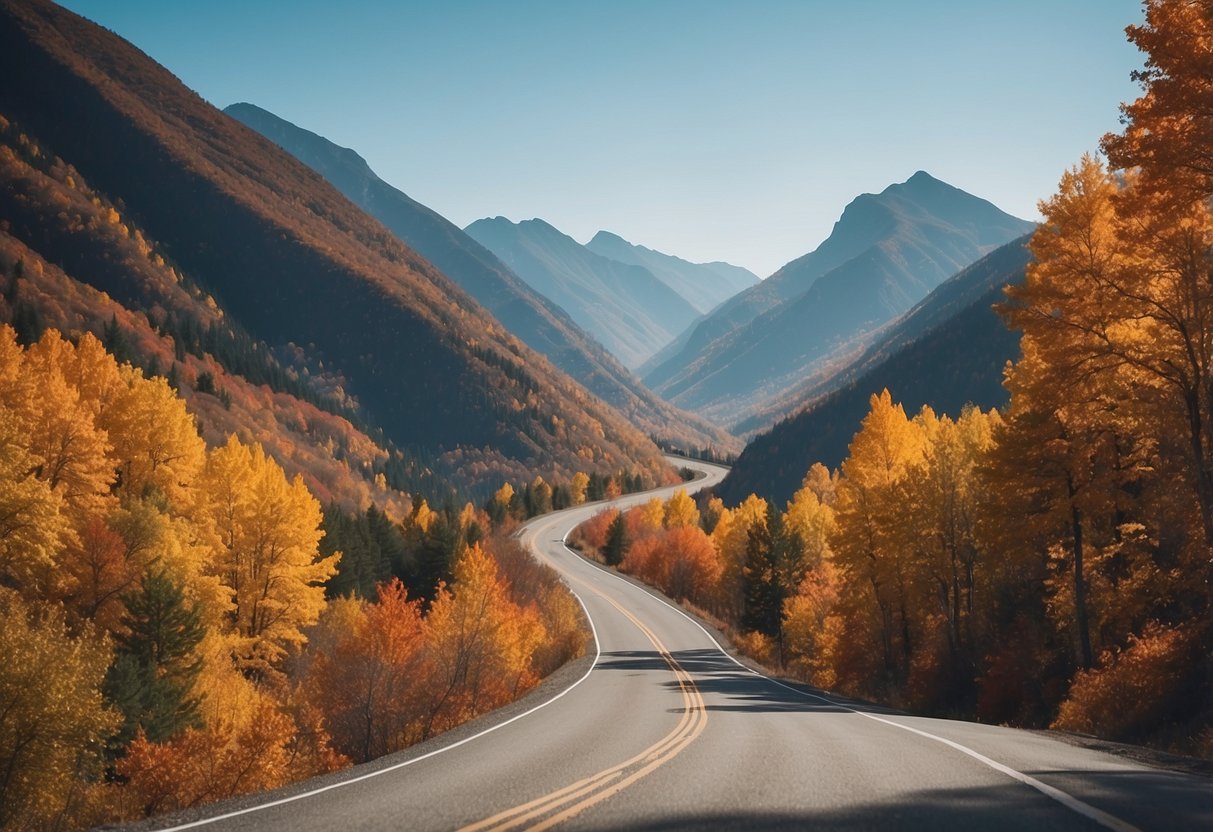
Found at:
<point>886,252</point>
<point>624,306</point>
<point>703,285</point>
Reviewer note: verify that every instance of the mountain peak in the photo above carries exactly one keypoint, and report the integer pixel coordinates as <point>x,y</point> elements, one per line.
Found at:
<point>606,237</point>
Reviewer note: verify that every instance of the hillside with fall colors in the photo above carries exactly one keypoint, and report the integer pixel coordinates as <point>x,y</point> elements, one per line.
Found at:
<point>293,264</point>
<point>175,633</point>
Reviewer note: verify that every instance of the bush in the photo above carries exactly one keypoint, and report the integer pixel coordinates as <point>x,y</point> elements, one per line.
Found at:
<point>1137,690</point>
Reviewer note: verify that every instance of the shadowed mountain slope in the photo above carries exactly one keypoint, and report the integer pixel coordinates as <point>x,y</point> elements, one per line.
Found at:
<point>538,322</point>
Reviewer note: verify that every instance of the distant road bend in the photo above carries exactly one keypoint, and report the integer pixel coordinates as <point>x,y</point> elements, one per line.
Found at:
<point>661,729</point>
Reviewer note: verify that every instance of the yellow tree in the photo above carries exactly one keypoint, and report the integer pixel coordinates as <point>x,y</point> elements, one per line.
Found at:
<point>812,519</point>
<point>942,493</point>
<point>269,530</point>
<point>650,517</point>
<point>869,517</point>
<point>53,722</point>
<point>730,536</point>
<point>154,440</point>
<point>32,527</point>
<point>70,449</point>
<point>578,486</point>
<point>1166,144</point>
<point>479,644</point>
<point>1095,367</point>
<point>822,482</point>
<point>680,510</point>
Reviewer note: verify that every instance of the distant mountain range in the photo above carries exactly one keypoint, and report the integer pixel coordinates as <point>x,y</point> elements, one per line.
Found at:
<point>703,285</point>
<point>624,306</point>
<point>885,253</point>
<point>948,351</point>
<point>283,257</point>
<point>539,322</point>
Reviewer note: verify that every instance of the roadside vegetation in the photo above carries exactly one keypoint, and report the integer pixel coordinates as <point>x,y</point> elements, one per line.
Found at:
<point>1044,565</point>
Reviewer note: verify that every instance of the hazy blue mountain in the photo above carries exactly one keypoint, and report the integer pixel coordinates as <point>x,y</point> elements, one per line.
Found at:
<point>954,296</point>
<point>704,285</point>
<point>624,306</point>
<point>886,252</point>
<point>540,323</point>
<point>948,351</point>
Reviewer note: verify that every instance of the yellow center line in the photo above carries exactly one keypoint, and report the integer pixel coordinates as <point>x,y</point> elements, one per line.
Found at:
<point>589,791</point>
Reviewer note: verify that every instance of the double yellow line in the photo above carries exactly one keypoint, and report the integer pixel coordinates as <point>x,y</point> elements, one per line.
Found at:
<point>562,804</point>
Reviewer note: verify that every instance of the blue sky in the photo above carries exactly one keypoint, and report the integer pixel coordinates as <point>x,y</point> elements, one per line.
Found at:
<point>711,130</point>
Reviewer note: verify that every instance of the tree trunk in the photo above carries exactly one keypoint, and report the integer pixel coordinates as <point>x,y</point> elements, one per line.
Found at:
<point>1080,586</point>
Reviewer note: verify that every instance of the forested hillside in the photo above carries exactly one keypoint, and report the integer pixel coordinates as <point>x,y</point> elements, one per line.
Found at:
<point>173,632</point>
<point>290,261</point>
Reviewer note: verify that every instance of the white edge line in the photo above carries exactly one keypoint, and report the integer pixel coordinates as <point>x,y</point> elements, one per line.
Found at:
<point>1069,801</point>
<point>331,786</point>
<point>397,766</point>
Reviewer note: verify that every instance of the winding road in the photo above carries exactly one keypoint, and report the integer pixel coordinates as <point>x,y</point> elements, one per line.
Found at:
<point>659,728</point>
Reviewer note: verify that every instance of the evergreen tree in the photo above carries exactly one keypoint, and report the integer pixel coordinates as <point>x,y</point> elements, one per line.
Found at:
<point>154,665</point>
<point>764,582</point>
<point>436,556</point>
<point>114,340</point>
<point>617,542</point>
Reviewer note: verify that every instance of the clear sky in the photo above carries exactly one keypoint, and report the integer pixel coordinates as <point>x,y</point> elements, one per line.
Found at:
<point>734,131</point>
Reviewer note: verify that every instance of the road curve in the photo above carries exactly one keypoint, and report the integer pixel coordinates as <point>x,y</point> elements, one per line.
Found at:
<point>661,729</point>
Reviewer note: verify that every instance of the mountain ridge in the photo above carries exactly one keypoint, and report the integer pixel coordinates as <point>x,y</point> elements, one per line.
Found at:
<point>626,307</point>
<point>703,285</point>
<point>526,313</point>
<point>885,253</point>
<point>948,351</point>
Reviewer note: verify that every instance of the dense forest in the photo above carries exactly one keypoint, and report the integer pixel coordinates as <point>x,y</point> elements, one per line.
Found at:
<point>175,631</point>
<point>1048,564</point>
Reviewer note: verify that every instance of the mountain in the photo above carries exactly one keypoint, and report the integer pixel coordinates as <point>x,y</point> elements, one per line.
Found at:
<point>886,252</point>
<point>703,285</point>
<point>624,306</point>
<point>287,259</point>
<point>973,285</point>
<point>948,351</point>
<point>71,261</point>
<point>538,322</point>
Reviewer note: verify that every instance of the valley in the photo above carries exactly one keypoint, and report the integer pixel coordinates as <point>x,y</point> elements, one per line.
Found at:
<point>391,436</point>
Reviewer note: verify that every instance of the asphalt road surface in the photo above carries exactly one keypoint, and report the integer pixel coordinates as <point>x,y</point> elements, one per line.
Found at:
<point>658,728</point>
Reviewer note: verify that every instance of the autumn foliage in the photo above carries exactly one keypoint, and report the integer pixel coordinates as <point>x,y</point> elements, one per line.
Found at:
<point>168,634</point>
